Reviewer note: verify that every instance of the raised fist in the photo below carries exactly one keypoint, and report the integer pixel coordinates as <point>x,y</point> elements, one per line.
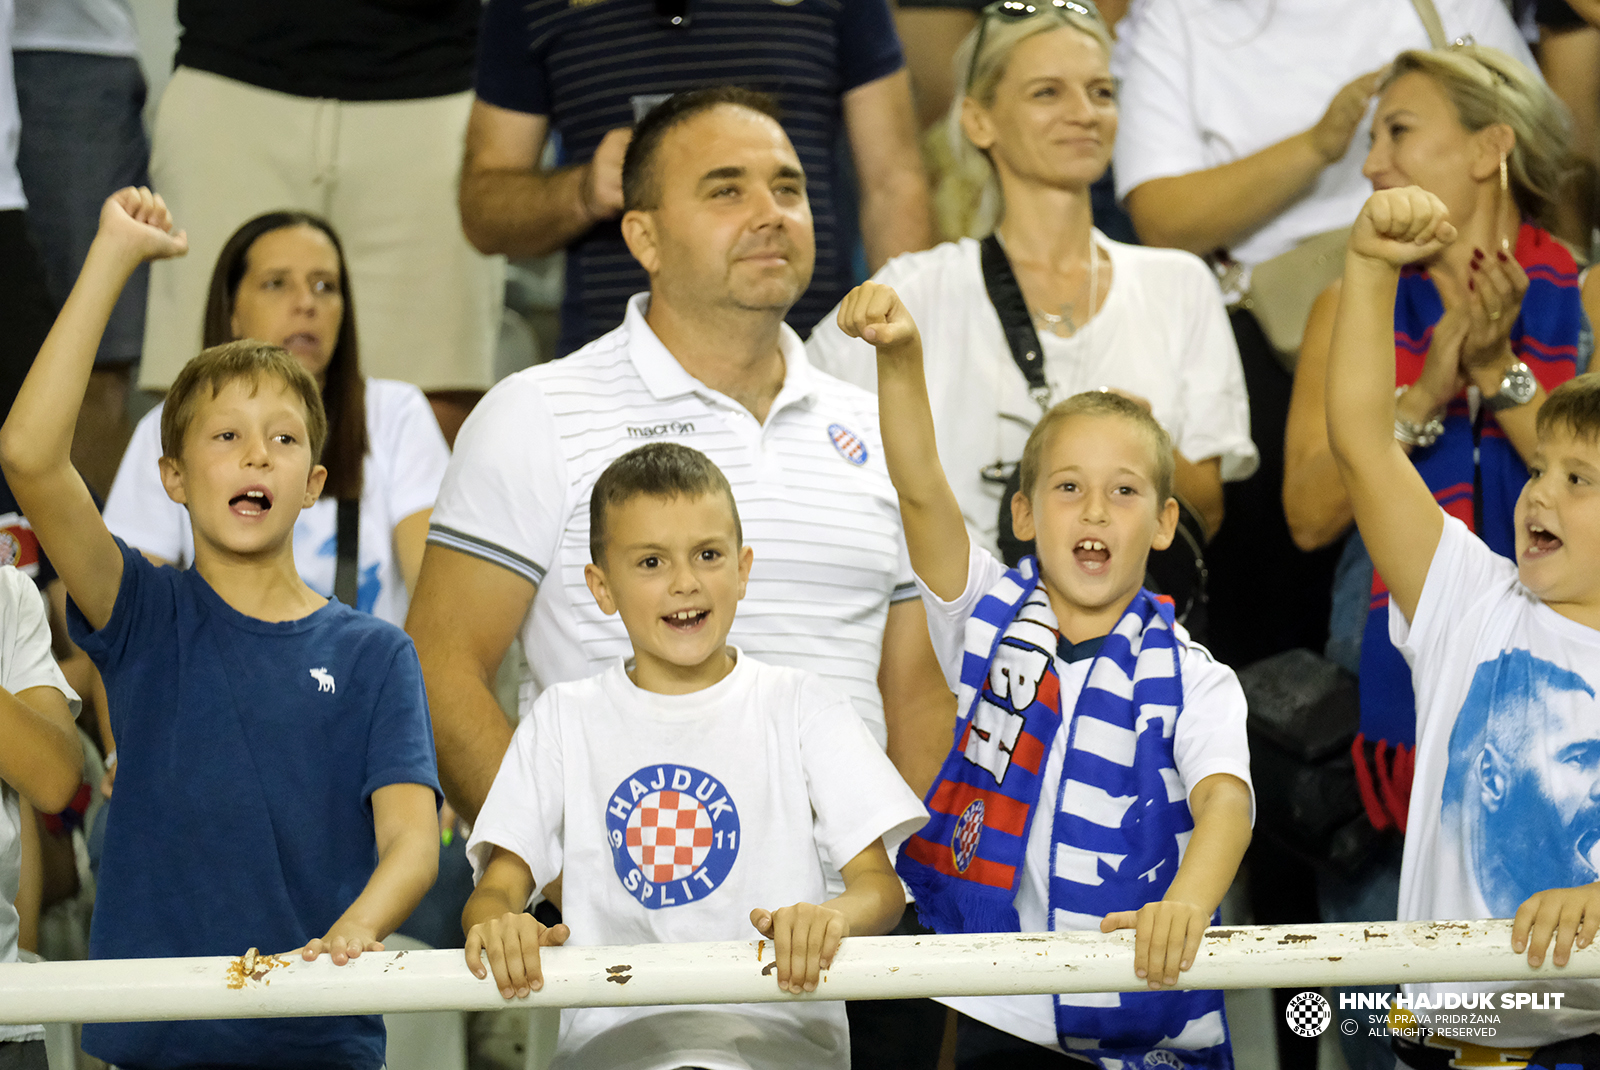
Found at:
<point>873,312</point>
<point>138,222</point>
<point>1401,226</point>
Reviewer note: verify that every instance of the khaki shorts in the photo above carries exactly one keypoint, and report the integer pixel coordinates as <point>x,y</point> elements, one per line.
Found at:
<point>384,174</point>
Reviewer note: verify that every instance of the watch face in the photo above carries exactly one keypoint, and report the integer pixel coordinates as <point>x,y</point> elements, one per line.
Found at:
<point>1516,388</point>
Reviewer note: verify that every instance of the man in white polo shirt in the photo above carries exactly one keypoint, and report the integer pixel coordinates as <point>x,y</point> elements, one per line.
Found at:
<point>718,217</point>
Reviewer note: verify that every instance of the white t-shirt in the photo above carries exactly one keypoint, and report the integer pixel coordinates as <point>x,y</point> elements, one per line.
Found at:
<point>1162,334</point>
<point>97,27</point>
<point>406,460</point>
<point>25,661</point>
<point>10,120</point>
<point>1507,764</point>
<point>1209,737</point>
<point>1207,82</point>
<point>773,772</point>
<point>814,500</point>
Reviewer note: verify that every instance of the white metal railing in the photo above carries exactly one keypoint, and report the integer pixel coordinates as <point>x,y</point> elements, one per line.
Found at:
<point>1280,956</point>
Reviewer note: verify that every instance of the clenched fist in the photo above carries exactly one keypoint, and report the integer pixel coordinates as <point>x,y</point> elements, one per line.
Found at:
<point>873,313</point>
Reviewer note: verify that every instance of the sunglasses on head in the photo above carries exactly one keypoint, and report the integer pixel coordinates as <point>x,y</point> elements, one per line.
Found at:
<point>1016,11</point>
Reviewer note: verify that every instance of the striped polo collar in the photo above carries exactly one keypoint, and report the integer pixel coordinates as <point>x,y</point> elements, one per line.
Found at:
<point>666,379</point>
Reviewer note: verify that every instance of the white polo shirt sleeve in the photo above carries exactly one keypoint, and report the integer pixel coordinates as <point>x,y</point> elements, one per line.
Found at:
<point>504,494</point>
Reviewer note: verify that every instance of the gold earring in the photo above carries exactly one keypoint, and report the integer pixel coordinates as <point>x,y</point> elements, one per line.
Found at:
<point>1505,181</point>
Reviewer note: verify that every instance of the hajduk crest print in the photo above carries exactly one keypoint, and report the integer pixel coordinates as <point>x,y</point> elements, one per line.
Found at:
<point>848,443</point>
<point>674,834</point>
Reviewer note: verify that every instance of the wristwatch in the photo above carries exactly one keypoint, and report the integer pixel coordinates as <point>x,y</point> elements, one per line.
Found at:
<point>1517,387</point>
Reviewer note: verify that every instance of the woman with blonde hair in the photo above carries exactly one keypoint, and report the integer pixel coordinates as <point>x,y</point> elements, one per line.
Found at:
<point>1482,330</point>
<point>1035,119</point>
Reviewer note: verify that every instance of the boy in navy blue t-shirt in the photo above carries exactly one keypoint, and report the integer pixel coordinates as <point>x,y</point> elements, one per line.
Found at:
<point>276,783</point>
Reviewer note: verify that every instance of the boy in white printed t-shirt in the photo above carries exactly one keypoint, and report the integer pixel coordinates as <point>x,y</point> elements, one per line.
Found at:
<point>1100,777</point>
<point>1505,659</point>
<point>680,789</point>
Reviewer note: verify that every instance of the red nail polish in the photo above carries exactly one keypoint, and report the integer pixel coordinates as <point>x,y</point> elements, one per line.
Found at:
<point>1471,285</point>
<point>1501,255</point>
<point>1477,254</point>
<point>1474,265</point>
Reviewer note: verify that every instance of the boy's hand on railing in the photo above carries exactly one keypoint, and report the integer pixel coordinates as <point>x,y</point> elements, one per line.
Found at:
<point>343,943</point>
<point>873,313</point>
<point>1571,915</point>
<point>136,223</point>
<point>1166,937</point>
<point>512,942</point>
<point>805,937</point>
<point>1400,226</point>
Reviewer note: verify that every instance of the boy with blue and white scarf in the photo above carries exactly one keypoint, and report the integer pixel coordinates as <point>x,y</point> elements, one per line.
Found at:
<point>1100,776</point>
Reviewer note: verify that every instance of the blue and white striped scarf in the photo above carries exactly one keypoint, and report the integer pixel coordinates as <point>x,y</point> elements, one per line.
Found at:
<point>1122,816</point>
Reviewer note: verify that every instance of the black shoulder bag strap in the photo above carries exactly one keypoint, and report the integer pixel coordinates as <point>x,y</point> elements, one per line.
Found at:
<point>1006,297</point>
<point>1179,570</point>
<point>346,570</point>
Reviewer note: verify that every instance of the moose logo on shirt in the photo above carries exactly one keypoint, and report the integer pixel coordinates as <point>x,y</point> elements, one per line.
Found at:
<point>674,834</point>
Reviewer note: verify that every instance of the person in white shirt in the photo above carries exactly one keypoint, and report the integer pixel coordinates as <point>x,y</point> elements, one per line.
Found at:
<point>1038,117</point>
<point>718,216</point>
<point>281,277</point>
<point>687,793</point>
<point>1088,717</point>
<point>1503,655</point>
<point>1239,114</point>
<point>40,762</point>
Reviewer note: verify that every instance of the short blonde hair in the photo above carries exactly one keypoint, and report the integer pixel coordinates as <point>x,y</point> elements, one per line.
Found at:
<point>1098,403</point>
<point>204,377</point>
<point>973,174</point>
<point>1487,87</point>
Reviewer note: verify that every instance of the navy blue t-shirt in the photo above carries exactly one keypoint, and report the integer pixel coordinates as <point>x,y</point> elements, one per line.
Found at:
<point>586,66</point>
<point>248,752</point>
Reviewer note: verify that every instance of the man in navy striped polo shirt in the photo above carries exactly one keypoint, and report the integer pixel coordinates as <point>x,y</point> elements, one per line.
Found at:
<point>590,69</point>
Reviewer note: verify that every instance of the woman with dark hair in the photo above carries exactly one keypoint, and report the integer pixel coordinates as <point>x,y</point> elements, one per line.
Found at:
<point>282,278</point>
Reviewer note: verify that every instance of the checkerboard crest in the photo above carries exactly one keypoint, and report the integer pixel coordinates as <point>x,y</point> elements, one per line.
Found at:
<point>964,841</point>
<point>1308,1014</point>
<point>669,835</point>
<point>674,834</point>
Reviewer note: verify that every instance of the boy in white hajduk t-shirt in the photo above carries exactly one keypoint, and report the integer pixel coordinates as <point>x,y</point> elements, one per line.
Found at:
<point>682,788</point>
<point>1100,777</point>
<point>1505,658</point>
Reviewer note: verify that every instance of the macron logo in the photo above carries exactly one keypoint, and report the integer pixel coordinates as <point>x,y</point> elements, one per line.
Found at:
<point>324,680</point>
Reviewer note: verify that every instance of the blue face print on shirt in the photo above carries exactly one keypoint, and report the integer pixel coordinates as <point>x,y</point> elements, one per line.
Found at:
<point>1522,788</point>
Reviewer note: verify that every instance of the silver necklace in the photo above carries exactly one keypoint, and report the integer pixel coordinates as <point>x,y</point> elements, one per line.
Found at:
<point>1064,324</point>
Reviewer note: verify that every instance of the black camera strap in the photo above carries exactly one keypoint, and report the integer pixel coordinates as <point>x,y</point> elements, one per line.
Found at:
<point>1006,296</point>
<point>346,569</point>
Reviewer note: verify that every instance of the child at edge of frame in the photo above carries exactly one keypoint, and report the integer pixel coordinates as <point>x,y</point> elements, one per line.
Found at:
<point>688,793</point>
<point>276,786</point>
<point>1100,777</point>
<point>1503,655</point>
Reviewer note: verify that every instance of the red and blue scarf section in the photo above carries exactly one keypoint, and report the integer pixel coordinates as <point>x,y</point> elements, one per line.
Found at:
<point>1118,830</point>
<point>1482,493</point>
